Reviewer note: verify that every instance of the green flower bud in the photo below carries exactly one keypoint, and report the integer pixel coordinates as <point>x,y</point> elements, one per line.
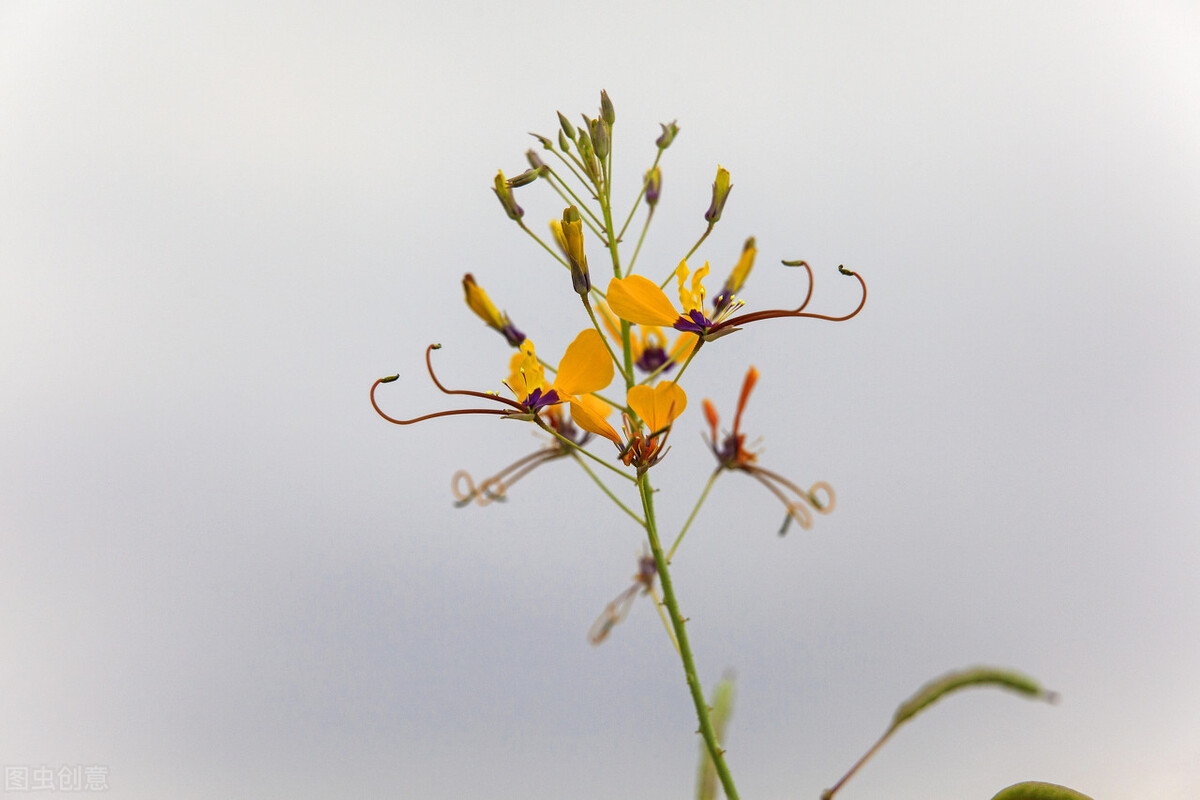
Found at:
<point>721,187</point>
<point>566,126</point>
<point>525,178</point>
<point>653,186</point>
<point>607,112</point>
<point>668,135</point>
<point>600,136</point>
<point>535,161</point>
<point>504,192</point>
<point>563,142</point>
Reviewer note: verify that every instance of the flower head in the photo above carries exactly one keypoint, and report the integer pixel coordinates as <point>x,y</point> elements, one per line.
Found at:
<point>638,299</point>
<point>657,407</point>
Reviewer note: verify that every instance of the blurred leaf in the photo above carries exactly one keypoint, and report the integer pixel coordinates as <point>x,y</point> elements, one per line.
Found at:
<point>1036,790</point>
<point>722,709</point>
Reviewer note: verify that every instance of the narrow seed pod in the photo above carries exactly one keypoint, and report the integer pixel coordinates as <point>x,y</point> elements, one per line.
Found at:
<point>1036,790</point>
<point>974,676</point>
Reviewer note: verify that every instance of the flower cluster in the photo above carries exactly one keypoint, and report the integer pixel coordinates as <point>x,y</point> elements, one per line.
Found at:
<point>634,333</point>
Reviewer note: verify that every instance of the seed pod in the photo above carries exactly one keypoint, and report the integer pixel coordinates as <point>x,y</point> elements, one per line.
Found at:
<point>975,676</point>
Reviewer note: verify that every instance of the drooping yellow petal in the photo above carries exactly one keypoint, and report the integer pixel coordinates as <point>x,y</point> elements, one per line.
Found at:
<point>638,299</point>
<point>694,299</point>
<point>587,418</point>
<point>525,373</point>
<point>595,405</point>
<point>585,367</point>
<point>658,407</point>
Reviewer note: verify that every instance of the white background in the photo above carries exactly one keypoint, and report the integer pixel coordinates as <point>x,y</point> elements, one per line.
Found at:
<point>223,576</point>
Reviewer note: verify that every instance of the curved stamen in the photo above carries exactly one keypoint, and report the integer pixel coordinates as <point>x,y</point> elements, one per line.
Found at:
<point>494,488</point>
<point>755,316</point>
<point>468,392</point>
<point>429,366</point>
<point>795,510</point>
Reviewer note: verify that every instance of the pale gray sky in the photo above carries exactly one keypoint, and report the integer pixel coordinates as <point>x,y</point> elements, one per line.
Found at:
<point>222,575</point>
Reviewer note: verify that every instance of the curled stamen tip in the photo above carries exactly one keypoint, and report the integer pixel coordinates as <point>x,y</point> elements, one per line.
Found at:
<point>797,263</point>
<point>435,347</point>
<point>842,269</point>
<point>388,379</point>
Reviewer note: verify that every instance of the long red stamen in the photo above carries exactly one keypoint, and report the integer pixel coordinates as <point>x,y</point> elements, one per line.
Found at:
<point>797,312</point>
<point>747,386</point>
<point>429,366</point>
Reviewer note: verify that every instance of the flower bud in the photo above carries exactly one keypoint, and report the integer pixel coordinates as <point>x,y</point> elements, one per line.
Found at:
<point>668,135</point>
<point>607,112</point>
<point>572,229</point>
<point>564,143</point>
<point>600,136</point>
<point>525,178</point>
<point>546,143</point>
<point>588,156</point>
<point>535,161</point>
<point>737,278</point>
<point>566,126</point>
<point>481,304</point>
<point>653,181</point>
<point>721,187</point>
<point>504,191</point>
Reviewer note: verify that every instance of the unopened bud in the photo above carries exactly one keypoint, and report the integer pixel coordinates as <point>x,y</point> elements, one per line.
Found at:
<point>526,177</point>
<point>546,143</point>
<point>481,304</point>
<point>737,278</point>
<point>563,142</point>
<point>566,126</point>
<point>504,192</point>
<point>607,112</point>
<point>721,187</point>
<point>572,229</point>
<point>588,155</point>
<point>601,137</point>
<point>535,161</point>
<point>653,186</point>
<point>668,135</point>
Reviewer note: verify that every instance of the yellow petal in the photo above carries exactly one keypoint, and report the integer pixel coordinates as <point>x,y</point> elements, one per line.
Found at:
<point>595,405</point>
<point>589,420</point>
<point>695,298</point>
<point>638,299</point>
<point>658,407</point>
<point>525,373</point>
<point>585,367</point>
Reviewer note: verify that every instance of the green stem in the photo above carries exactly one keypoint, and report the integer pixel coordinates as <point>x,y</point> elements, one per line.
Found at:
<point>695,247</point>
<point>559,184</point>
<point>606,490</point>
<point>547,247</point>
<point>685,649</point>
<point>691,355</point>
<point>641,194</point>
<point>712,479</point>
<point>641,238</point>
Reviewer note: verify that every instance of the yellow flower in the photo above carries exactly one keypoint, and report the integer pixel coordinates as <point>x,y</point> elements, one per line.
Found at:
<point>639,300</point>
<point>586,367</point>
<point>648,343</point>
<point>658,407</point>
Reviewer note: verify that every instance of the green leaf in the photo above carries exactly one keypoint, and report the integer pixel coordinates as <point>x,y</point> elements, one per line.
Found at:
<point>1036,790</point>
<point>974,676</point>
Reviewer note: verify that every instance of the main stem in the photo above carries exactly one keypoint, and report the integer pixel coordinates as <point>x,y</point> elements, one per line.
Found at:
<point>685,649</point>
